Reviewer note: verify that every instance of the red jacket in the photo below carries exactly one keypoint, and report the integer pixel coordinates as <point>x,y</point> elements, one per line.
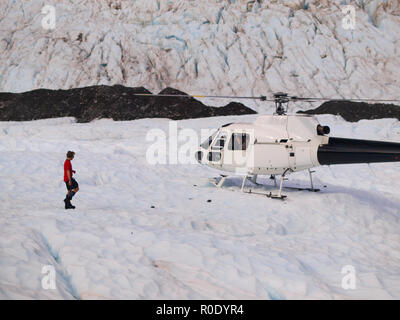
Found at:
<point>67,166</point>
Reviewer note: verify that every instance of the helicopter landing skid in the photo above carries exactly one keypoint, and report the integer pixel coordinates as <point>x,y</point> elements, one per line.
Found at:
<point>273,196</point>
<point>302,189</point>
<point>268,195</point>
<point>276,197</point>
<point>219,182</point>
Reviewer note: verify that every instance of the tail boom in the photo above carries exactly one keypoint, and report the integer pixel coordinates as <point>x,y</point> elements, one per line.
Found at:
<point>346,151</point>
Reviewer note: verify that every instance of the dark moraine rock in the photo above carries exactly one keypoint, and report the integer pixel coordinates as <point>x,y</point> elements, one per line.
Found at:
<point>355,111</point>
<point>116,102</point>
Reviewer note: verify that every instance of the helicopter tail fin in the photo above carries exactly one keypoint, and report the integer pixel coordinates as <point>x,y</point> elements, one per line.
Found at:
<point>346,151</point>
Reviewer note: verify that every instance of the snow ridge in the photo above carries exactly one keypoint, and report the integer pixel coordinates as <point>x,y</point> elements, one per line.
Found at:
<point>143,231</point>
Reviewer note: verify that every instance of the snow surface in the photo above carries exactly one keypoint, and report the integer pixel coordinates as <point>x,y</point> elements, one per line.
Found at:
<point>238,246</point>
<point>232,47</point>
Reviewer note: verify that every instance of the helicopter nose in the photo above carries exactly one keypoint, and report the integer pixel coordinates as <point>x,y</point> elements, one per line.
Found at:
<point>199,156</point>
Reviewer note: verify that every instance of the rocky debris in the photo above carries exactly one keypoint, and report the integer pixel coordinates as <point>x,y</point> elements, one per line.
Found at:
<point>186,108</point>
<point>355,111</point>
<point>116,102</point>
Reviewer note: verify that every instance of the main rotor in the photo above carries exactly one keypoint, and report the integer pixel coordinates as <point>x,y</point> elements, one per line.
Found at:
<point>281,99</point>
<point>281,103</point>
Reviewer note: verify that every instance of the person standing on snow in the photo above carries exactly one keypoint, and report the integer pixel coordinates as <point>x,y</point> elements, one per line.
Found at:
<point>72,185</point>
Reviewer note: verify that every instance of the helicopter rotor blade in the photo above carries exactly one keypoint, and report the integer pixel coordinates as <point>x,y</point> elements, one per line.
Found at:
<point>342,99</point>
<point>262,98</point>
<point>275,98</point>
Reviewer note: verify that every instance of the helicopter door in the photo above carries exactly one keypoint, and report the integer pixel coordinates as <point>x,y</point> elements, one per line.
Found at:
<point>217,149</point>
<point>237,151</point>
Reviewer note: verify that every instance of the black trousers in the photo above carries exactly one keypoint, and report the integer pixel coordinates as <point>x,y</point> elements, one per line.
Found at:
<point>74,184</point>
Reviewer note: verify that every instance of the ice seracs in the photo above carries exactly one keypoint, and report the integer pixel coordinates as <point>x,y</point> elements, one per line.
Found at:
<point>229,47</point>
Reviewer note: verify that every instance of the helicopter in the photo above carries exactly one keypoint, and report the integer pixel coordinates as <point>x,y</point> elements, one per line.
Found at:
<point>280,144</point>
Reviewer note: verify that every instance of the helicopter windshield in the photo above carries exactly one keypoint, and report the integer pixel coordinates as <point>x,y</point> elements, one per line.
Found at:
<point>207,143</point>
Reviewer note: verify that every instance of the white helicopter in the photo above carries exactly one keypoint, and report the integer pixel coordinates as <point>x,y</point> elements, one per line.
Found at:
<point>280,144</point>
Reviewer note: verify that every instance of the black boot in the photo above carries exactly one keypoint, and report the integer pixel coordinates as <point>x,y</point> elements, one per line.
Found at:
<point>68,204</point>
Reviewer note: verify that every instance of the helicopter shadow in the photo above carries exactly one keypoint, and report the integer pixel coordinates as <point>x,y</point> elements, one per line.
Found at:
<point>378,199</point>
<point>266,185</point>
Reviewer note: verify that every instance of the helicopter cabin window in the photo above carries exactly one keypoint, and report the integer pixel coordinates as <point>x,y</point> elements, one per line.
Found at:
<point>239,141</point>
<point>219,142</point>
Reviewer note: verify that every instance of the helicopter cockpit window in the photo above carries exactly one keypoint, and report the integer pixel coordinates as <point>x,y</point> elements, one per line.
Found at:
<point>219,143</point>
<point>214,156</point>
<point>207,143</point>
<point>239,141</point>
